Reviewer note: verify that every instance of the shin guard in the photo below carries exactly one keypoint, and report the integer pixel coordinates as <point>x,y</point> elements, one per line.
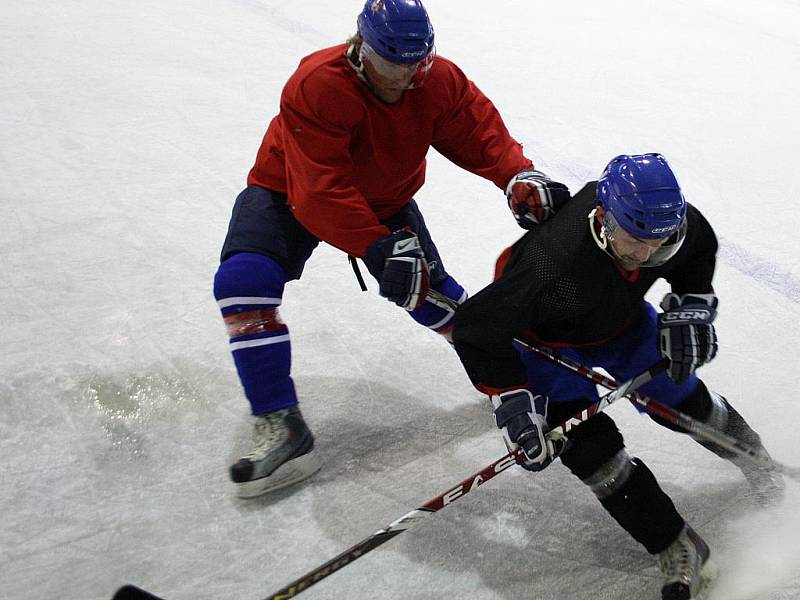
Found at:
<point>642,508</point>
<point>248,288</point>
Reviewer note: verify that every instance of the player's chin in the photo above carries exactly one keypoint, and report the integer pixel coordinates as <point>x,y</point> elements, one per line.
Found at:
<point>630,265</point>
<point>391,96</point>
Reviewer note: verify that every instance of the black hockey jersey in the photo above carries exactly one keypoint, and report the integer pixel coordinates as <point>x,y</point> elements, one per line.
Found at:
<point>560,289</point>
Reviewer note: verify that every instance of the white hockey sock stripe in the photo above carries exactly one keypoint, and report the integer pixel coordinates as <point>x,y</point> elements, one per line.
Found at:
<point>256,300</point>
<point>259,342</point>
<point>447,318</point>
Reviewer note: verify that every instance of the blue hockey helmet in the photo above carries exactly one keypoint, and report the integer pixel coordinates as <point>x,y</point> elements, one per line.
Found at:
<point>397,30</point>
<point>641,195</point>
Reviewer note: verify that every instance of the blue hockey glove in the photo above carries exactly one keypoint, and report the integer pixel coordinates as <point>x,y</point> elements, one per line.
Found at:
<point>686,332</point>
<point>401,269</point>
<point>533,197</point>
<point>523,427</point>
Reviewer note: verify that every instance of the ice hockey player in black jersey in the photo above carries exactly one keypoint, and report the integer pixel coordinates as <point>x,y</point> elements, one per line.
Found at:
<point>577,283</point>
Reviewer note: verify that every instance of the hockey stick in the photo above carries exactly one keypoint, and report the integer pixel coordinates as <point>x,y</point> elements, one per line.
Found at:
<point>130,592</point>
<point>684,421</point>
<point>431,506</point>
<point>693,426</point>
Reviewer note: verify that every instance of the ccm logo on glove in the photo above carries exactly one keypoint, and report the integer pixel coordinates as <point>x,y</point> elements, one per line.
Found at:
<point>687,338</point>
<point>686,316</point>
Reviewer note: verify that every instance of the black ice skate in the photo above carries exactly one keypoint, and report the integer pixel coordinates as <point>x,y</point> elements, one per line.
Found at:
<point>283,454</point>
<point>766,483</point>
<point>686,566</point>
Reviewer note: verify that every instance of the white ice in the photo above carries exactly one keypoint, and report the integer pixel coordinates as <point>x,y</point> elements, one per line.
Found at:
<point>127,131</point>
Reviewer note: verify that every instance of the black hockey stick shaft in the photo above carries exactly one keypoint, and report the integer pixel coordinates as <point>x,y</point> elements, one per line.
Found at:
<point>690,424</point>
<point>431,506</point>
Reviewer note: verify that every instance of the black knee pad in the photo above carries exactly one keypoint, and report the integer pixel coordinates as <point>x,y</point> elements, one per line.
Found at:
<point>697,405</point>
<point>594,443</point>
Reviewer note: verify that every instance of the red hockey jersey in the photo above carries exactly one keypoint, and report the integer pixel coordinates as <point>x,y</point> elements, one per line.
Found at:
<point>346,159</point>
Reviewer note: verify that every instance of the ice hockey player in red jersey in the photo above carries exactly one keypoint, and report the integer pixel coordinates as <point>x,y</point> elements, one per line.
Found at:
<point>340,163</point>
<point>577,283</point>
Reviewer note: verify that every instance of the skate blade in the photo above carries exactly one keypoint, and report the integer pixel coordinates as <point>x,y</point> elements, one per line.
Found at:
<point>708,577</point>
<point>288,473</point>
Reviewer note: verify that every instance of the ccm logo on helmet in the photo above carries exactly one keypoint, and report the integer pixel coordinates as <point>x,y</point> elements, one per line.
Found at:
<point>662,229</point>
<point>686,315</point>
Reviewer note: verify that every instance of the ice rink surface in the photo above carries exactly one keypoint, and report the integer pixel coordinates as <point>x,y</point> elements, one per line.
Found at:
<point>127,131</point>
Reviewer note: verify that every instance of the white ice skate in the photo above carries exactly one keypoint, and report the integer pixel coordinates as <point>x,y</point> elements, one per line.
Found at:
<point>283,454</point>
<point>689,572</point>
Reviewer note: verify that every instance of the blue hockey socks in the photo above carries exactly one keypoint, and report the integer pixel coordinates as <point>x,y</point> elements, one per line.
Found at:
<point>438,318</point>
<point>248,288</point>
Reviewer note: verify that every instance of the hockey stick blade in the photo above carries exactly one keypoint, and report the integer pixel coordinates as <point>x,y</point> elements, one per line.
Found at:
<point>431,506</point>
<point>131,592</point>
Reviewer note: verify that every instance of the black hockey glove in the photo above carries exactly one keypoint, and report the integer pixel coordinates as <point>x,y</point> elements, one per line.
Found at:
<point>686,332</point>
<point>533,197</point>
<point>523,427</point>
<point>400,267</point>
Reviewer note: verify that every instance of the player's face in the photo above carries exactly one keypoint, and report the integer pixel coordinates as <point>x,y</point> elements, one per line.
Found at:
<point>632,252</point>
<point>391,79</point>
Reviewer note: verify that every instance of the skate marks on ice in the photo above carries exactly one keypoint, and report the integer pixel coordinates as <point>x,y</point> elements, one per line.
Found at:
<point>561,540</point>
<point>376,469</point>
<point>97,413</point>
<point>758,555</point>
<point>383,454</point>
<point>139,460</point>
<point>126,404</point>
<point>766,272</point>
<point>365,435</point>
<point>74,438</point>
<point>88,459</point>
